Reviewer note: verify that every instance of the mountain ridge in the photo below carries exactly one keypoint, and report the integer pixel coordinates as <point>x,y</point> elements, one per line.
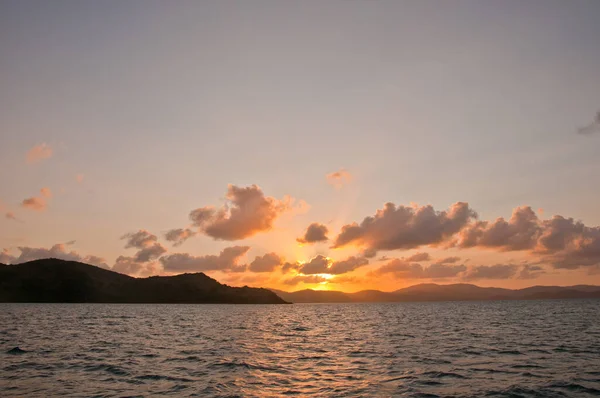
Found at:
<point>60,281</point>
<point>436,292</point>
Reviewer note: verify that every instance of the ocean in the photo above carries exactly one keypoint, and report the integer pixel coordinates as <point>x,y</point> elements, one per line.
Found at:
<point>447,349</point>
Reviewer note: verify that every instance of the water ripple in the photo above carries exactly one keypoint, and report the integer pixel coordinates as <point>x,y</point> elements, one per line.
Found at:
<point>494,349</point>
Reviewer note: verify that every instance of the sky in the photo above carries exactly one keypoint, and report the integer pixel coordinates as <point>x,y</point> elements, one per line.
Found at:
<point>340,145</point>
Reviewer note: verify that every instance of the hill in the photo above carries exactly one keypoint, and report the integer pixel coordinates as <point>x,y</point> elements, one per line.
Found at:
<point>434,292</point>
<point>59,281</point>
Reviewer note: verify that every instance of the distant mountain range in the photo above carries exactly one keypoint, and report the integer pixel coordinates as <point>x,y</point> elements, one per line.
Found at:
<point>434,292</point>
<point>59,281</point>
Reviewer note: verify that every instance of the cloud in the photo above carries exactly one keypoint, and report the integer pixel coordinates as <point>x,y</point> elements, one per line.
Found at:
<point>314,233</point>
<point>266,263</point>
<point>562,242</point>
<point>11,216</point>
<point>6,257</point>
<point>530,271</point>
<point>38,153</point>
<point>287,267</point>
<point>591,128</point>
<point>46,192</point>
<point>518,233</point>
<point>369,253</point>
<point>95,260</point>
<point>308,279</point>
<point>227,260</point>
<point>247,212</point>
<point>79,178</point>
<point>403,269</point>
<point>498,271</point>
<point>37,203</point>
<point>179,235</point>
<point>347,265</point>
<point>323,265</point>
<point>317,265</point>
<point>339,178</point>
<point>401,227</point>
<point>34,203</point>
<point>150,253</point>
<point>419,257</point>
<point>447,260</point>
<point>58,251</point>
<point>129,266</point>
<point>140,239</point>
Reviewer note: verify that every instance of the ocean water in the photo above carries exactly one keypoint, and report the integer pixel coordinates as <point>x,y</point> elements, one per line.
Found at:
<point>504,348</point>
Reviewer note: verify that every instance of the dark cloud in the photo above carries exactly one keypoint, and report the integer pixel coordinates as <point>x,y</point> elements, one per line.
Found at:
<point>531,271</point>
<point>348,265</point>
<point>266,263</point>
<point>247,212</point>
<point>447,260</point>
<point>287,267</point>
<point>498,271</point>
<point>403,269</point>
<point>149,250</point>
<point>518,233</point>
<point>406,227</point>
<point>591,128</point>
<point>369,253</point>
<point>227,260</point>
<point>150,253</point>
<point>179,235</point>
<point>139,239</point>
<point>304,279</point>
<point>419,257</point>
<point>317,265</point>
<point>314,233</point>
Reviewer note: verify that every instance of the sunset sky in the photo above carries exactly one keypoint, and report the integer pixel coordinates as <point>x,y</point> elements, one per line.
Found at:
<point>245,139</point>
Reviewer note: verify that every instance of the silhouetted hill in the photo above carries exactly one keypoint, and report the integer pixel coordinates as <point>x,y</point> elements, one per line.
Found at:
<point>59,281</point>
<point>434,292</point>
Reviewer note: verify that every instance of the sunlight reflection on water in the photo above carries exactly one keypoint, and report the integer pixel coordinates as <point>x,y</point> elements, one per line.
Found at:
<point>523,348</point>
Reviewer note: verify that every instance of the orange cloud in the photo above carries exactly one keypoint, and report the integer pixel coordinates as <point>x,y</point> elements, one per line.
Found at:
<point>46,192</point>
<point>37,203</point>
<point>38,153</point>
<point>34,203</point>
<point>339,178</point>
<point>307,279</point>
<point>247,212</point>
